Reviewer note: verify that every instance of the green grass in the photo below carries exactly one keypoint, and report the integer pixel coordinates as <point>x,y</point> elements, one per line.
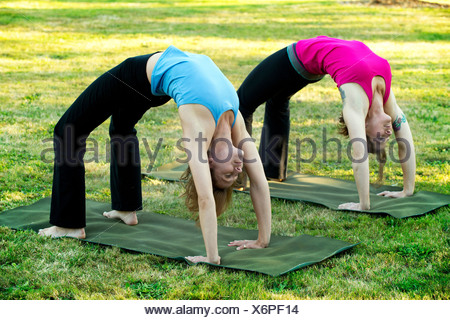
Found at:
<point>51,50</point>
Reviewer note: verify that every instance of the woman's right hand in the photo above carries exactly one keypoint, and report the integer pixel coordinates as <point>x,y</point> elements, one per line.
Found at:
<point>246,244</point>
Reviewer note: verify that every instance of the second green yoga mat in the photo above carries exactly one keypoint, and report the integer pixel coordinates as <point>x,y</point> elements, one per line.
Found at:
<point>177,238</point>
<point>332,192</point>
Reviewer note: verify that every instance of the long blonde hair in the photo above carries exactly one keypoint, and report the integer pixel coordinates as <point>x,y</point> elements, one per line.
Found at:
<point>222,197</point>
<point>380,153</point>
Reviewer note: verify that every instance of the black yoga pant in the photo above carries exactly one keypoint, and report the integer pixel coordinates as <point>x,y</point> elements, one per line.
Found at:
<point>273,81</point>
<point>123,93</point>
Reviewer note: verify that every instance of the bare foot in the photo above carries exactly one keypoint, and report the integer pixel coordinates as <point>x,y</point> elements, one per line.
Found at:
<point>58,232</point>
<point>128,217</point>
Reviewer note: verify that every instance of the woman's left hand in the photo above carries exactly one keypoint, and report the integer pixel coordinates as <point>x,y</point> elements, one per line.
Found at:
<point>246,244</point>
<point>393,194</point>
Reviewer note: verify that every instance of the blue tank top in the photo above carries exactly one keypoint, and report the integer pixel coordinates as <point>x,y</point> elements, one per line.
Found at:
<point>193,78</point>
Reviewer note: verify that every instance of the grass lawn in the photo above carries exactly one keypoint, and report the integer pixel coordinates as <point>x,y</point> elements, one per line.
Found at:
<point>51,50</point>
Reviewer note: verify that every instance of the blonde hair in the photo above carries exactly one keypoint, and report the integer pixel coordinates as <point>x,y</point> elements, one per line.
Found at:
<point>222,197</point>
<point>380,153</point>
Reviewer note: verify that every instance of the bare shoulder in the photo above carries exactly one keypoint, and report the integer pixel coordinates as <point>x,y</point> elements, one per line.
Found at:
<point>391,107</point>
<point>354,94</point>
<point>239,132</point>
<point>196,118</point>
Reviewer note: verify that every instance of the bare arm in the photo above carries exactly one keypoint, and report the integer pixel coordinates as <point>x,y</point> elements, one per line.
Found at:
<point>355,110</point>
<point>406,152</point>
<point>259,188</point>
<point>197,133</point>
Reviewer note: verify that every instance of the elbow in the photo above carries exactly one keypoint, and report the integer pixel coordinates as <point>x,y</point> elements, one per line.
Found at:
<point>405,149</point>
<point>259,185</point>
<point>359,158</point>
<point>206,202</point>
<point>358,166</point>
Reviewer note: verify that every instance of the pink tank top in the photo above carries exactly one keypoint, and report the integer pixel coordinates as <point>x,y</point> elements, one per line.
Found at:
<point>345,61</point>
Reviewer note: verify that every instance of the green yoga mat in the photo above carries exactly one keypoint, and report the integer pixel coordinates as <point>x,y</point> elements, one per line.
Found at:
<point>177,238</point>
<point>332,192</point>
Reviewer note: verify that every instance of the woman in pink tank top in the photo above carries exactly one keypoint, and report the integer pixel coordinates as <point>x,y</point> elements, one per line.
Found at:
<point>370,113</point>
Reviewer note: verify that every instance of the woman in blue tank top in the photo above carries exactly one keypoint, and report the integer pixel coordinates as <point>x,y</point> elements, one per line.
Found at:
<point>214,135</point>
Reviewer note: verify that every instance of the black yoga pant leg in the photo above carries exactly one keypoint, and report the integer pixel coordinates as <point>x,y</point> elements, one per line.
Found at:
<point>124,93</point>
<point>71,131</point>
<point>273,81</point>
<point>125,167</point>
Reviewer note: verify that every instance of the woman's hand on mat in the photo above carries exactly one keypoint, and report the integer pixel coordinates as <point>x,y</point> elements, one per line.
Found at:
<point>197,259</point>
<point>246,244</point>
<point>350,206</point>
<point>393,194</point>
